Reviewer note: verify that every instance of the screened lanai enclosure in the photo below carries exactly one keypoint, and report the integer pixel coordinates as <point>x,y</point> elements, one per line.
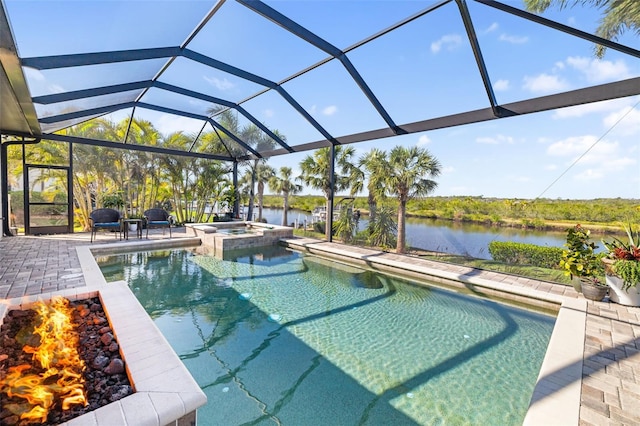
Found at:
<point>87,74</point>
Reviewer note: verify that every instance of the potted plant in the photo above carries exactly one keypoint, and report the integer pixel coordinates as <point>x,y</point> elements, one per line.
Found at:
<point>113,201</point>
<point>622,267</point>
<point>581,263</point>
<point>133,226</point>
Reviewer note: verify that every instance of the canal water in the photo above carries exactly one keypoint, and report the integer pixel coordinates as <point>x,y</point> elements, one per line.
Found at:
<point>448,236</point>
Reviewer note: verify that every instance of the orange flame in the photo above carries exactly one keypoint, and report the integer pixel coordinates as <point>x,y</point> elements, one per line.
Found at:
<point>57,353</point>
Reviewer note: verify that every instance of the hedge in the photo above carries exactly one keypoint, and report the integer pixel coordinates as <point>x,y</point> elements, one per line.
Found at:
<point>525,254</point>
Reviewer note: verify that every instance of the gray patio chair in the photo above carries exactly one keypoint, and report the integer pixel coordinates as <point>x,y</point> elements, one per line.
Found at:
<point>107,220</point>
<point>157,218</point>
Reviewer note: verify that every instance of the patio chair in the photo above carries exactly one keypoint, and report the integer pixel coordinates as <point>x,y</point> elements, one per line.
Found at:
<point>157,218</point>
<point>105,219</point>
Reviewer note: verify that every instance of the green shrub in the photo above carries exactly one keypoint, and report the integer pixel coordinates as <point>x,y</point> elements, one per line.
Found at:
<point>525,254</point>
<point>319,227</point>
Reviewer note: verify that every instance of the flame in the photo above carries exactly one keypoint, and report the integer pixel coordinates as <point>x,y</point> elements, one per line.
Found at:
<point>57,354</point>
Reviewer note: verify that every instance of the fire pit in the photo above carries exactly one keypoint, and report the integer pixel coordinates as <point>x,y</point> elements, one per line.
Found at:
<point>58,361</point>
<point>165,392</point>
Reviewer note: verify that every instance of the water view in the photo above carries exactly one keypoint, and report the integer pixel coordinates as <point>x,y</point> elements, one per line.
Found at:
<point>447,236</point>
<point>277,337</point>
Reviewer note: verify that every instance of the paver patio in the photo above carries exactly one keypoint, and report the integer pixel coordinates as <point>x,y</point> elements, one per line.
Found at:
<point>610,388</point>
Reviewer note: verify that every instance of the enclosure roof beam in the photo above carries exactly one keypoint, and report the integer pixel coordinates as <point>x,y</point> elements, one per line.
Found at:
<point>83,59</point>
<point>477,53</point>
<point>313,39</point>
<point>112,108</point>
<point>603,92</point>
<point>133,147</point>
<point>561,27</point>
<point>118,88</point>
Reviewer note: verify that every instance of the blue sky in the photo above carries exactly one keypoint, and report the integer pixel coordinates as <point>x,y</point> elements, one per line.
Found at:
<point>423,70</point>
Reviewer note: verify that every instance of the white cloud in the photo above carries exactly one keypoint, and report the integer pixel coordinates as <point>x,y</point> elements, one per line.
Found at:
<point>168,123</point>
<point>269,113</point>
<point>499,139</point>
<point>544,83</point>
<point>603,157</point>
<point>450,41</point>
<point>626,122</point>
<point>423,140</point>
<point>219,84</point>
<point>448,170</point>
<point>590,175</point>
<point>330,110</point>
<point>501,85</point>
<point>491,28</point>
<point>551,167</point>
<point>574,146</point>
<point>596,107</point>
<point>513,39</point>
<point>32,73</point>
<point>56,88</point>
<point>597,70</point>
<point>38,82</point>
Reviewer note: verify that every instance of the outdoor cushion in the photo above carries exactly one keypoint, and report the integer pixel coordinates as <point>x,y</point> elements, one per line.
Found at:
<point>107,224</point>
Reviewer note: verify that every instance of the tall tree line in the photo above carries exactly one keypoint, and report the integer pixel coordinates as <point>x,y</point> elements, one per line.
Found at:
<point>187,186</point>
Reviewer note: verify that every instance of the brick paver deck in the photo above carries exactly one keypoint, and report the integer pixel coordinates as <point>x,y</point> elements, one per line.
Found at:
<point>610,389</point>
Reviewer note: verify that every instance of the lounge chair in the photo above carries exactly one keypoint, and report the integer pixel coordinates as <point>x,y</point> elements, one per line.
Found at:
<point>157,218</point>
<point>105,219</point>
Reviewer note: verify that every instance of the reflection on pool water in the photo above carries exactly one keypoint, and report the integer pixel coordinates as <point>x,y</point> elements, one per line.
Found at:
<point>277,337</point>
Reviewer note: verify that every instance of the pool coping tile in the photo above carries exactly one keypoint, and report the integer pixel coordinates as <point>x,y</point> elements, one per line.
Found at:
<point>591,345</point>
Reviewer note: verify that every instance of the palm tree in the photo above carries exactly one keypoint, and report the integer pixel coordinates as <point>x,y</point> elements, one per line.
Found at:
<point>260,141</point>
<point>383,229</point>
<point>94,167</point>
<point>406,176</point>
<point>618,16</point>
<point>285,186</point>
<point>264,173</point>
<point>375,190</point>
<point>316,172</point>
<point>345,226</point>
<point>244,189</point>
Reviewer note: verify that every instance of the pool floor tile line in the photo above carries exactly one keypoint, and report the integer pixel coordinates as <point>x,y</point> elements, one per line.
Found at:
<point>610,385</point>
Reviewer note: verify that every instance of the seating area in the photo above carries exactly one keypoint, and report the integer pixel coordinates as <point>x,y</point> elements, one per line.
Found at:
<point>106,219</point>
<point>157,218</point>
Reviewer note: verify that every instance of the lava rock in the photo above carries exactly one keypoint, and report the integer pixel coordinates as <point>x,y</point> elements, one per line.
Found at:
<point>114,393</point>
<point>116,366</point>
<point>91,324</point>
<point>106,339</point>
<point>100,362</point>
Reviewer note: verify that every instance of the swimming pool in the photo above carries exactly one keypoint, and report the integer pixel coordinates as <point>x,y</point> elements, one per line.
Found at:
<point>236,231</point>
<point>277,337</point>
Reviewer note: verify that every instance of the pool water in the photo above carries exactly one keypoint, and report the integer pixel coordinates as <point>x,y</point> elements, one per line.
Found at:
<point>236,231</point>
<point>277,337</point>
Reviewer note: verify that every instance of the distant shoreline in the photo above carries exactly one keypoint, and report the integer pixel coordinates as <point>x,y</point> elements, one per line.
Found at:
<point>601,216</point>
